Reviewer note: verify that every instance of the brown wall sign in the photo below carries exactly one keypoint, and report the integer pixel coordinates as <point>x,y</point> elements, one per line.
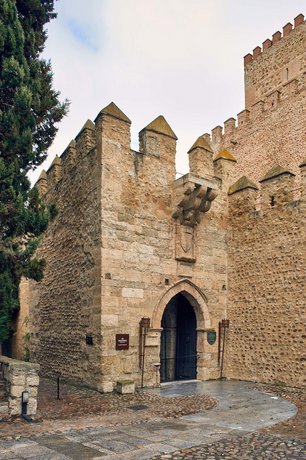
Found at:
<point>122,341</point>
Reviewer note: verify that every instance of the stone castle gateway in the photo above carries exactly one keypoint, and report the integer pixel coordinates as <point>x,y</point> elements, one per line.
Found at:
<point>143,267</point>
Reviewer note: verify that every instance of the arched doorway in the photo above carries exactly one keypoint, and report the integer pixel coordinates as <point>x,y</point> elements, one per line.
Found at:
<point>178,354</point>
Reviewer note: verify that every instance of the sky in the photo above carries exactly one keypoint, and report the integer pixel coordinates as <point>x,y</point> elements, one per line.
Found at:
<point>179,58</point>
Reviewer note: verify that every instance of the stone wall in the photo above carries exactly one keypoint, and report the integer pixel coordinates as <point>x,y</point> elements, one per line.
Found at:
<point>65,307</point>
<point>141,265</point>
<point>266,278</point>
<point>20,376</point>
<point>268,135</point>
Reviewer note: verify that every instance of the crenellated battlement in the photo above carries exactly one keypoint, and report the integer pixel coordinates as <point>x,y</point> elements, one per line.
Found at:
<point>262,108</point>
<point>110,134</point>
<point>278,188</point>
<point>83,143</point>
<point>276,37</point>
<point>276,63</point>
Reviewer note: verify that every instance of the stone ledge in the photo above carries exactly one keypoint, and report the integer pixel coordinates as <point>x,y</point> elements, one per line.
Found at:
<point>19,364</point>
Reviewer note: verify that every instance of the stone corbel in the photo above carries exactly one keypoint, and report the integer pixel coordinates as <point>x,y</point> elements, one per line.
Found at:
<point>194,204</point>
<point>196,200</point>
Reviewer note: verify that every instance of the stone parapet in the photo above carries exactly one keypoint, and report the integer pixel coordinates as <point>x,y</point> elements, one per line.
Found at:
<point>247,116</point>
<point>276,62</point>
<point>278,188</point>
<point>19,377</point>
<point>271,130</point>
<point>276,37</point>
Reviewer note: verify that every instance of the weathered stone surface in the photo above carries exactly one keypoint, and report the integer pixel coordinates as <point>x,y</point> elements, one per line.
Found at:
<point>19,376</point>
<point>32,380</point>
<point>125,387</point>
<point>241,184</point>
<point>266,280</point>
<point>16,391</point>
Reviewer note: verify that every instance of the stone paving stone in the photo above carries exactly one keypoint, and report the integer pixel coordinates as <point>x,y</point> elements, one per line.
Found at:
<point>71,449</point>
<point>89,431</point>
<point>6,454</point>
<point>123,437</point>
<point>107,457</point>
<point>82,437</point>
<point>32,451</point>
<point>151,433</point>
<point>51,456</point>
<point>181,443</point>
<point>149,451</point>
<point>116,446</point>
<point>21,442</point>
<point>156,437</point>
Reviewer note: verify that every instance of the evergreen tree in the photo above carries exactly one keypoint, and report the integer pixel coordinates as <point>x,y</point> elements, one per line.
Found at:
<point>29,111</point>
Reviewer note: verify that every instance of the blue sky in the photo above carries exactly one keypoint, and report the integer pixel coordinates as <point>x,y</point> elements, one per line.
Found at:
<point>182,59</point>
<point>83,34</point>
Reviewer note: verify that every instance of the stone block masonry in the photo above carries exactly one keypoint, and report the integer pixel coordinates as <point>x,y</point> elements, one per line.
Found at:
<point>142,227</point>
<point>20,376</point>
<point>120,244</point>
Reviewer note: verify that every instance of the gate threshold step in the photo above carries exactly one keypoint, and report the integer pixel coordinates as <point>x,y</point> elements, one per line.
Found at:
<point>176,382</point>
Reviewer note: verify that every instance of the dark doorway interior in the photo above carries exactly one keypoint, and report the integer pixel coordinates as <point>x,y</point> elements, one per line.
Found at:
<point>178,341</point>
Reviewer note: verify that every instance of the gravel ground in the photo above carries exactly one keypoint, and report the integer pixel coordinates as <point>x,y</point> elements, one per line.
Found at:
<point>77,403</point>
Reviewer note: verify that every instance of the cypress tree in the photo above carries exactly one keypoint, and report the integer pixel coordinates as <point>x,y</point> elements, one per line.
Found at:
<point>29,111</point>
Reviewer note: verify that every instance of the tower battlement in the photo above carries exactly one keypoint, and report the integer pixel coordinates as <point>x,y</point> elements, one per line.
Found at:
<point>110,134</point>
<point>271,128</point>
<point>276,63</point>
<point>276,37</point>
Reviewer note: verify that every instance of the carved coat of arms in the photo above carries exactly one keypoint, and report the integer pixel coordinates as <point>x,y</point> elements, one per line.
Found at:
<point>186,238</point>
<point>196,201</point>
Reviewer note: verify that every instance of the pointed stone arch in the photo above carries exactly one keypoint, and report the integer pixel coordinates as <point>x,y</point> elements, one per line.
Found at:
<point>195,296</point>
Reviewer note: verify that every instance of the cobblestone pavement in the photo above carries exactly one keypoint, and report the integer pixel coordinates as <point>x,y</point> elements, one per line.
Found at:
<point>251,446</point>
<point>295,427</point>
<point>224,432</point>
<point>81,401</point>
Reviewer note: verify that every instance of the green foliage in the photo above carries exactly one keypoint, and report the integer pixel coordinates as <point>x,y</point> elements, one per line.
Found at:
<point>29,111</point>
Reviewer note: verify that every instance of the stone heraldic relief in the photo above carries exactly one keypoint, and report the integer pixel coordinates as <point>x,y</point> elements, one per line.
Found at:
<point>223,242</point>
<point>196,201</point>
